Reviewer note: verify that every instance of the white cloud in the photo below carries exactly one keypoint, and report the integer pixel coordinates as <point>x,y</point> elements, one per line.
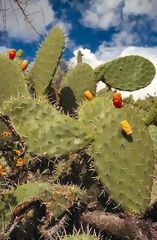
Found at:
<point>148,7</point>
<point>3,49</point>
<point>124,38</point>
<point>40,14</point>
<point>88,57</point>
<point>105,54</point>
<point>102,14</point>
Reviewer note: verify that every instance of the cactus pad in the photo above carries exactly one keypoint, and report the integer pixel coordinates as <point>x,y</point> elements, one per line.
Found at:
<point>47,60</point>
<point>153,134</point>
<point>47,131</point>
<point>12,79</point>
<point>125,164</point>
<point>93,113</point>
<point>80,79</point>
<point>154,192</point>
<point>127,73</point>
<point>57,198</point>
<point>81,237</point>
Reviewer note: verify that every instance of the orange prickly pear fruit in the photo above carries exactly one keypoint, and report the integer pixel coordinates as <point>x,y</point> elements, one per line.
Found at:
<point>12,54</point>
<point>126,127</point>
<point>88,95</point>
<point>117,100</point>
<point>24,64</point>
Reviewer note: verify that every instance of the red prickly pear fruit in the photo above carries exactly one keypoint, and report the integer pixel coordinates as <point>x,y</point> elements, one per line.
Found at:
<point>12,54</point>
<point>118,103</point>
<point>117,100</point>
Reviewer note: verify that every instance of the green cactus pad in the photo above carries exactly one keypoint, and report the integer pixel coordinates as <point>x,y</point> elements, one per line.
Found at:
<point>80,79</point>
<point>125,164</point>
<point>57,198</point>
<point>12,79</point>
<point>154,192</point>
<point>44,129</point>
<point>127,73</point>
<point>153,133</point>
<point>93,113</point>
<point>47,60</point>
<point>11,198</point>
<point>150,116</point>
<point>81,237</point>
<point>105,93</point>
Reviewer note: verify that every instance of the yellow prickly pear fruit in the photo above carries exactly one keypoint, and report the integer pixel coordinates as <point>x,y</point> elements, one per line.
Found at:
<point>88,95</point>
<point>126,127</point>
<point>20,53</point>
<point>24,64</point>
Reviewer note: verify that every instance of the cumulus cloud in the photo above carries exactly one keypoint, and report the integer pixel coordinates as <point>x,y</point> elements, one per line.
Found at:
<point>132,19</point>
<point>102,14</point>
<point>40,14</point>
<point>105,54</point>
<point>88,57</point>
<point>148,7</point>
<point>3,49</point>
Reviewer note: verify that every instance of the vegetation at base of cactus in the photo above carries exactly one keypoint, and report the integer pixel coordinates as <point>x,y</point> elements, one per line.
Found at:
<point>125,164</point>
<point>47,60</point>
<point>127,73</point>
<point>75,80</point>
<point>57,199</point>
<point>11,79</point>
<point>12,198</point>
<point>62,135</point>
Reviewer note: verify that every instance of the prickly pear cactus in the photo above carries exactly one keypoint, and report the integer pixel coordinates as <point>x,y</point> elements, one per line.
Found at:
<point>12,198</point>
<point>12,79</point>
<point>61,133</point>
<point>80,79</point>
<point>47,60</point>
<point>153,133</point>
<point>58,198</point>
<point>93,116</point>
<point>126,73</point>
<point>81,237</point>
<point>125,164</point>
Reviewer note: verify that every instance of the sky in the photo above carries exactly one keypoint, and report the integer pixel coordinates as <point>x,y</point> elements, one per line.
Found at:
<point>102,29</point>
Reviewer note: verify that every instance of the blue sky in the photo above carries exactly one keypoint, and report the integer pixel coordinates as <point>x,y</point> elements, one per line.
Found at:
<point>102,29</point>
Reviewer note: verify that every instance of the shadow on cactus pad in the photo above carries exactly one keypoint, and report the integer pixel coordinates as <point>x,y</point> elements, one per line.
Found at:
<point>68,100</point>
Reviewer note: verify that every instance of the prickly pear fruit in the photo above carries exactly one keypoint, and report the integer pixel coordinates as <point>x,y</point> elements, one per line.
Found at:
<point>24,65</point>
<point>12,54</point>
